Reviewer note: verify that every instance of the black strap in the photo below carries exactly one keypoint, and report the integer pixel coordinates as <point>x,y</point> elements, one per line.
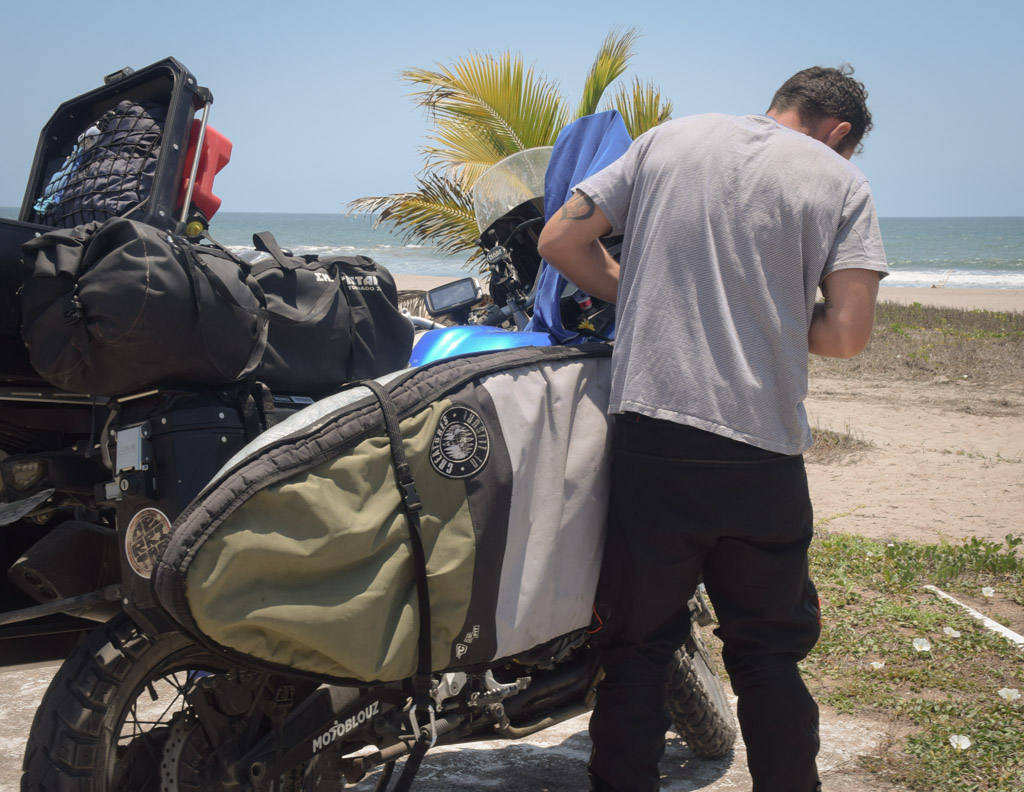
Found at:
<point>266,242</point>
<point>412,505</point>
<point>255,403</point>
<point>282,312</point>
<point>201,277</point>
<point>74,316</point>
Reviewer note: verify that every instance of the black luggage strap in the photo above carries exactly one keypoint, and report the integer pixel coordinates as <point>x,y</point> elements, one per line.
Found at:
<point>255,403</point>
<point>200,276</point>
<point>71,309</point>
<point>265,242</point>
<point>411,504</point>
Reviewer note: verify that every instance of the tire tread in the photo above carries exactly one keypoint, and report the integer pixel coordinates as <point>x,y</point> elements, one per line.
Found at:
<point>699,713</point>
<point>61,752</point>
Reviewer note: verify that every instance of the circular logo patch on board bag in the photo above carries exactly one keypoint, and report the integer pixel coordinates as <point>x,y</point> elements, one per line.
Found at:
<point>461,444</point>
<point>143,538</point>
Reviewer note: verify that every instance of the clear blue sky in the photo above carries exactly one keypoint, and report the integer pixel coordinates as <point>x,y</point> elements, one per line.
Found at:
<point>309,91</point>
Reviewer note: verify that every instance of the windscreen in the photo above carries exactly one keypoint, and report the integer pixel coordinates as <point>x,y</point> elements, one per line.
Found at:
<point>514,180</point>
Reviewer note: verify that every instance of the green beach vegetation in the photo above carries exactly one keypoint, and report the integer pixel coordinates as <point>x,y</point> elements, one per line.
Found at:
<point>484,108</point>
<point>941,688</point>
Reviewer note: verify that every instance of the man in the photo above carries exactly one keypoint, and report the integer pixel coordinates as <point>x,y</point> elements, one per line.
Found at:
<point>731,224</point>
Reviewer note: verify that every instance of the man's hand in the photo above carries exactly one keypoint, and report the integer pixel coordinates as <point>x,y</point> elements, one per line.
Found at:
<point>570,243</point>
<point>841,326</point>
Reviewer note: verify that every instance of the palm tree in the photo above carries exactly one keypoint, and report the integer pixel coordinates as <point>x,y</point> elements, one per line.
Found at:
<point>485,108</point>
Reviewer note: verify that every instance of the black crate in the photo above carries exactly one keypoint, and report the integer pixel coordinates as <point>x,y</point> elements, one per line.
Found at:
<point>167,85</point>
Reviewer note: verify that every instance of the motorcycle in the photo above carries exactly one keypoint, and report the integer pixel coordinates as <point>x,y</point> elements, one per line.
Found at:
<point>136,704</point>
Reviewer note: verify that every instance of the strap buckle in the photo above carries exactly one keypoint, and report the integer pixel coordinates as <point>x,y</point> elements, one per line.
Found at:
<point>71,307</point>
<point>410,496</point>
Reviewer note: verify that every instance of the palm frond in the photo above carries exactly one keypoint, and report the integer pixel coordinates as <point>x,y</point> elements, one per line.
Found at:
<point>485,108</point>
<point>611,61</point>
<point>477,133</point>
<point>438,213</point>
<point>642,107</point>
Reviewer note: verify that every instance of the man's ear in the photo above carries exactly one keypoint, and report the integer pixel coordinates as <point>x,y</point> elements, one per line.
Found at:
<point>836,135</point>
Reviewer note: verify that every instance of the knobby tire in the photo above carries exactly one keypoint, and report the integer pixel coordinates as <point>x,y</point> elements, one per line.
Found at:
<point>697,703</point>
<point>105,688</point>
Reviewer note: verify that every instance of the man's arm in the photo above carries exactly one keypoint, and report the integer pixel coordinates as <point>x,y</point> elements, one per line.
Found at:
<point>570,243</point>
<point>841,326</point>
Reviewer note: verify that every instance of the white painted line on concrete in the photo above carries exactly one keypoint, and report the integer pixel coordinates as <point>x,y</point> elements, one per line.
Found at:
<point>995,626</point>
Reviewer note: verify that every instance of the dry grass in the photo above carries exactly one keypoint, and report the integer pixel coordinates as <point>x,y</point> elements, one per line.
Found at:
<point>831,447</point>
<point>411,300</point>
<point>938,345</point>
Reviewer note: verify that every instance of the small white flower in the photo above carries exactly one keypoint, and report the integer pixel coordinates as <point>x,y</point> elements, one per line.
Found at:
<point>878,665</point>
<point>951,632</point>
<point>960,741</point>
<point>1009,694</point>
<point>922,645</point>
<point>892,544</point>
<point>988,591</point>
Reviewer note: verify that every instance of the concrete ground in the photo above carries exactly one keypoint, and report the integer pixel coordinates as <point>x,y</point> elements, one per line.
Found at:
<point>553,760</point>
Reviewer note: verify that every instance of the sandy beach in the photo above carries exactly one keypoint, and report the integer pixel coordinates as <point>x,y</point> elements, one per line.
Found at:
<point>946,458</point>
<point>980,299</point>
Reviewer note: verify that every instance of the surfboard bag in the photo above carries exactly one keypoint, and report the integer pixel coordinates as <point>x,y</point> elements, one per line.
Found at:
<point>443,517</point>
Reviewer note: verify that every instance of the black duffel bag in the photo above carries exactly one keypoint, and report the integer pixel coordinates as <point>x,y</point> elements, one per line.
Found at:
<point>332,320</point>
<point>115,307</point>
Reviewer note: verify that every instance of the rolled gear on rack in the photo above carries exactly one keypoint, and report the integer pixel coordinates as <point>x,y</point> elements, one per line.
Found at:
<point>297,555</point>
<point>332,320</point>
<point>121,306</point>
<point>100,303</point>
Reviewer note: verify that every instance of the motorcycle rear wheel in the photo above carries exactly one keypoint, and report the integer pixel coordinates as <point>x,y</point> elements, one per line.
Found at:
<point>104,722</point>
<point>697,702</point>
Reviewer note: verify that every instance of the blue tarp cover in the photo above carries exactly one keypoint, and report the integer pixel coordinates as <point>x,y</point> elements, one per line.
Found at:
<point>586,146</point>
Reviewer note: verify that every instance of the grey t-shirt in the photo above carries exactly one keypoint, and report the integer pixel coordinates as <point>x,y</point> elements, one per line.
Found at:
<point>730,223</point>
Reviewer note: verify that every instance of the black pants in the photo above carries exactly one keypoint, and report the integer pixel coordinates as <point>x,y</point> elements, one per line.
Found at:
<point>682,501</point>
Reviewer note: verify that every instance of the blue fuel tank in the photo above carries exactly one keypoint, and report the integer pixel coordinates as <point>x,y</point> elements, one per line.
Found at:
<point>437,345</point>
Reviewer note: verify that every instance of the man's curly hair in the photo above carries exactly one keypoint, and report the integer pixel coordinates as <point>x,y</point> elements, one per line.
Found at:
<point>820,92</point>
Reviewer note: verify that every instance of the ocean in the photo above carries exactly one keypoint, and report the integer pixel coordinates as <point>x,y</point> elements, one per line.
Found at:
<point>337,234</point>
<point>955,252</point>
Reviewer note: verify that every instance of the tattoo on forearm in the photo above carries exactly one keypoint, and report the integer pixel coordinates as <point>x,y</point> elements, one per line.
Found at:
<point>579,207</point>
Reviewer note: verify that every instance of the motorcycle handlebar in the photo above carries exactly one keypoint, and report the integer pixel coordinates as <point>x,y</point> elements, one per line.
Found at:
<point>422,323</point>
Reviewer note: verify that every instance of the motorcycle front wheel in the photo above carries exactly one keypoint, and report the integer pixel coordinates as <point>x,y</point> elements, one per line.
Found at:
<point>115,712</point>
<point>697,702</point>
